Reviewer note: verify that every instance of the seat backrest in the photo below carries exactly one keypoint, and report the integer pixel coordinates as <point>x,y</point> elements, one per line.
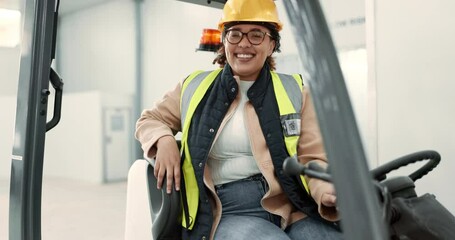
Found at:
<point>151,213</point>
<point>165,210</point>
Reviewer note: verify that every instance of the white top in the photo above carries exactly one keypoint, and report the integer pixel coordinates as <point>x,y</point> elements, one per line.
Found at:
<point>231,157</point>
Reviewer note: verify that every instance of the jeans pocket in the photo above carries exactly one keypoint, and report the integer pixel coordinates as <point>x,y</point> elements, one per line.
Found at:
<point>264,185</point>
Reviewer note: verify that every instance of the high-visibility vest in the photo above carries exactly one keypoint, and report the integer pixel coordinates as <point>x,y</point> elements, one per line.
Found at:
<point>288,92</point>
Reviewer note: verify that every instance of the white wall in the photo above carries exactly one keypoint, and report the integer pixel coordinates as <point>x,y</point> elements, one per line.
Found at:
<point>172,30</point>
<point>346,20</point>
<point>9,70</point>
<point>10,56</point>
<point>9,79</point>
<point>411,55</point>
<point>96,52</point>
<point>74,148</point>
<point>96,48</point>
<point>7,116</point>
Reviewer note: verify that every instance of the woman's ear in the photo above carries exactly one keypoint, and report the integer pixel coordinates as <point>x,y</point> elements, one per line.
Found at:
<point>271,47</point>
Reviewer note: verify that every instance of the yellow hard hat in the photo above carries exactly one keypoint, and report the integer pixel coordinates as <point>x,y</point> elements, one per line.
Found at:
<point>250,11</point>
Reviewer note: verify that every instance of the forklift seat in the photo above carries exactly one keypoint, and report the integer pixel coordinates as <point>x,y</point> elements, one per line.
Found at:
<point>151,213</point>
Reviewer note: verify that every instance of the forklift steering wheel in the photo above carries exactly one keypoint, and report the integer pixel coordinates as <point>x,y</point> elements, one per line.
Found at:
<point>434,158</point>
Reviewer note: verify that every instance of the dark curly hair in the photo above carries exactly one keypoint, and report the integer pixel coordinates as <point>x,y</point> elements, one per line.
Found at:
<point>221,53</point>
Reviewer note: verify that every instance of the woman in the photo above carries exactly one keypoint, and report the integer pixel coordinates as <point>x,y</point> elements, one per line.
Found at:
<point>238,124</point>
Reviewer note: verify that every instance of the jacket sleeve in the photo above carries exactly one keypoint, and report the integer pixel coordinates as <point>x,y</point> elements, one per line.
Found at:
<point>161,120</point>
<point>310,146</point>
<point>311,149</point>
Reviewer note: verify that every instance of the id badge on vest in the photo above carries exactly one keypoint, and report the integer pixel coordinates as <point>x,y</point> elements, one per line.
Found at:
<point>291,124</point>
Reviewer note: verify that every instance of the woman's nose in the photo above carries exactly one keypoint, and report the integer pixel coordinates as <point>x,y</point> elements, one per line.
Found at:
<point>244,42</point>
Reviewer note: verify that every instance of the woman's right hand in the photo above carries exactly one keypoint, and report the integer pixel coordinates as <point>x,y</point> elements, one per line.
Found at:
<point>167,163</point>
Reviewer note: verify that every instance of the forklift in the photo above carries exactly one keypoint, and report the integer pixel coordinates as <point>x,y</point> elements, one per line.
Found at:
<point>358,201</point>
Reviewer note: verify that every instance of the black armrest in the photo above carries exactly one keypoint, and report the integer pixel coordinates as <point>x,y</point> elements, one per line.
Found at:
<point>164,208</point>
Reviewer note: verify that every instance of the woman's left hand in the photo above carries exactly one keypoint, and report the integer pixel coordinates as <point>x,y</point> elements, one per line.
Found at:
<point>324,194</point>
<point>329,200</point>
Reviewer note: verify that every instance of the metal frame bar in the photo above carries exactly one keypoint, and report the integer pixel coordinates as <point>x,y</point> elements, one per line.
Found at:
<point>358,202</point>
<point>31,113</point>
<point>139,52</point>
<point>208,3</point>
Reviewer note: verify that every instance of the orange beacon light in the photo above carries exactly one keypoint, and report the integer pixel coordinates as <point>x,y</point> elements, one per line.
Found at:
<point>210,40</point>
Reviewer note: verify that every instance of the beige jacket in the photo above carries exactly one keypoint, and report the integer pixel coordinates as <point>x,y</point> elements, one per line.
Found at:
<point>164,120</point>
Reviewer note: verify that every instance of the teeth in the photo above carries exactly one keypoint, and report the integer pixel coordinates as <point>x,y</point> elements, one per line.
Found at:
<point>244,55</point>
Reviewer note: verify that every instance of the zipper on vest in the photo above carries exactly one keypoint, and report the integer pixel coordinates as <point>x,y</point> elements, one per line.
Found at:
<point>184,198</point>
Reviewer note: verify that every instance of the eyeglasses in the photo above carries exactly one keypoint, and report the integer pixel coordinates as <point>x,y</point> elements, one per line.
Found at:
<point>255,37</point>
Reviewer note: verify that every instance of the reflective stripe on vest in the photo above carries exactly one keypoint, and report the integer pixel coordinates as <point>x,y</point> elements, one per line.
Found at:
<point>288,92</point>
<point>193,90</point>
<point>289,99</point>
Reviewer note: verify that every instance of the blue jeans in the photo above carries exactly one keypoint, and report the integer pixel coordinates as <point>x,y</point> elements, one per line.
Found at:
<point>243,217</point>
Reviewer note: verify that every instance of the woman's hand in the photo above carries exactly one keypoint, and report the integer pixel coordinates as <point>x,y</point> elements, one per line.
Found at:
<point>324,194</point>
<point>167,163</point>
<point>329,199</point>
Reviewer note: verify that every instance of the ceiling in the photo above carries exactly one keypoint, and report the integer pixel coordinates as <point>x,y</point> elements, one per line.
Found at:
<point>66,6</point>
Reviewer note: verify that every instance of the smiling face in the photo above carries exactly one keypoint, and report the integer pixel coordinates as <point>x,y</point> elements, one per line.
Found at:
<point>246,60</point>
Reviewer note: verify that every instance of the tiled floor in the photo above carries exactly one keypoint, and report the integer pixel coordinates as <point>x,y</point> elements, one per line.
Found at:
<point>73,210</point>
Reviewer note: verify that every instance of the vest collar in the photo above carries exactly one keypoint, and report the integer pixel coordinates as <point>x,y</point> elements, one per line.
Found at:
<point>256,91</point>
<point>228,83</point>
